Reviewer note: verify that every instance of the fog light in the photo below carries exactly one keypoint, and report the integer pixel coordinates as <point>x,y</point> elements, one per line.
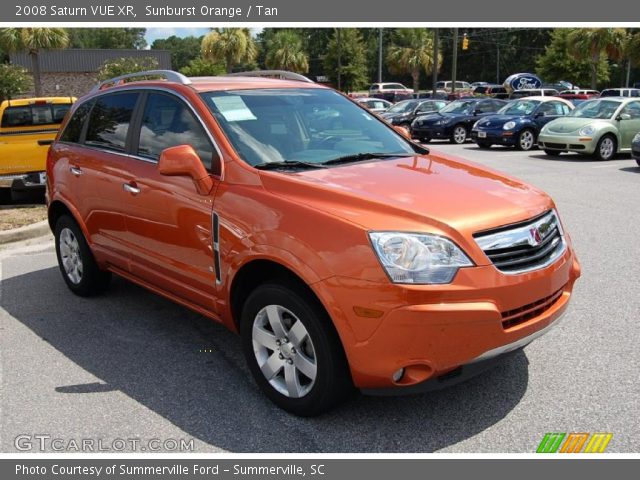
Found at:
<point>397,376</point>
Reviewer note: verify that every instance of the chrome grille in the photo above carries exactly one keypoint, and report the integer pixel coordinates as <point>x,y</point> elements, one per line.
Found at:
<point>525,246</point>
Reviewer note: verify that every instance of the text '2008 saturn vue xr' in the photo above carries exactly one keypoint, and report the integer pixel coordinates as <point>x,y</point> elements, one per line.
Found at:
<point>346,256</point>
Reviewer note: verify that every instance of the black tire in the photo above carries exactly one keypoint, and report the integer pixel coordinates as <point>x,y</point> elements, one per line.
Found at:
<point>5,196</point>
<point>92,280</point>
<point>552,153</point>
<point>332,382</point>
<point>638,161</point>
<point>459,139</point>
<point>485,145</point>
<point>599,154</point>
<point>526,140</point>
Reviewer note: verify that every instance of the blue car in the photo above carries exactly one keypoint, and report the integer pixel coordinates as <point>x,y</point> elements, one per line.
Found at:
<point>454,121</point>
<point>518,123</point>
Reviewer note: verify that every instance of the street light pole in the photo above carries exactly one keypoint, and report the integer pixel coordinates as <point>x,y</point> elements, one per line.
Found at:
<point>498,64</point>
<point>380,56</point>
<point>339,62</point>
<point>454,61</point>
<point>436,47</point>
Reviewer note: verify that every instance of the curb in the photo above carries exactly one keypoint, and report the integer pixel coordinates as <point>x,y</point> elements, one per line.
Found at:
<point>24,233</point>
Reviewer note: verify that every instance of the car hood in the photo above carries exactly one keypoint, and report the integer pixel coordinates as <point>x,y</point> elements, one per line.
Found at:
<point>571,124</point>
<point>499,120</point>
<point>419,193</point>
<point>434,117</point>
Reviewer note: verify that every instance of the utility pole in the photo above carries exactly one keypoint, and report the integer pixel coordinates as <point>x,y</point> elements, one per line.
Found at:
<point>454,61</point>
<point>628,73</point>
<point>436,39</point>
<point>339,62</point>
<point>498,64</point>
<point>380,56</point>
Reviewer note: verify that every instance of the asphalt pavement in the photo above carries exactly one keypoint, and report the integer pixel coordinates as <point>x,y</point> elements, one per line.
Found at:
<point>132,366</point>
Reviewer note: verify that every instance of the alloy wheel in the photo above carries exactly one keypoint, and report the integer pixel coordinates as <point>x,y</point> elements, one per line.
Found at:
<point>70,255</point>
<point>526,140</point>
<point>459,134</point>
<point>284,351</point>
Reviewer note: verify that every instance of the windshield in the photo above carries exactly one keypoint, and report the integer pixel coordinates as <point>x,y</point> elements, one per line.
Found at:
<point>310,125</point>
<point>459,106</point>
<point>596,109</point>
<point>403,107</point>
<point>520,107</point>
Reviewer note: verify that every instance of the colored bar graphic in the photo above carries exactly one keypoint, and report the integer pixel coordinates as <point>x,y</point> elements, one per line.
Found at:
<point>574,442</point>
<point>598,443</point>
<point>550,443</point>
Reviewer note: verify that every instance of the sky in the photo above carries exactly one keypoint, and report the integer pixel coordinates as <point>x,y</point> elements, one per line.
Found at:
<point>154,33</point>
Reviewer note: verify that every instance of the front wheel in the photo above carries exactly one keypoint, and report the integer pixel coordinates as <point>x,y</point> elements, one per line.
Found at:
<point>526,140</point>
<point>484,145</point>
<point>77,264</point>
<point>293,351</point>
<point>606,148</point>
<point>638,161</point>
<point>459,135</point>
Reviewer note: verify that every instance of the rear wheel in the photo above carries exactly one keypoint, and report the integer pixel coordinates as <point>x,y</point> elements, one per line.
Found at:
<point>459,134</point>
<point>77,264</point>
<point>526,140</point>
<point>293,351</point>
<point>606,148</point>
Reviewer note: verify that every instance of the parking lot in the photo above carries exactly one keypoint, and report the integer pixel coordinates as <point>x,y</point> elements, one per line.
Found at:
<point>130,364</point>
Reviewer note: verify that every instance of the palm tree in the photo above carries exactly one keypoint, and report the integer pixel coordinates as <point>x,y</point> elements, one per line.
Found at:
<point>411,53</point>
<point>230,46</point>
<point>33,40</point>
<point>594,43</point>
<point>285,52</point>
<point>632,49</point>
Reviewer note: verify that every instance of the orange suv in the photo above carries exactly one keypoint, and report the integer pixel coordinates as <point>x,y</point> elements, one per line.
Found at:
<point>344,254</point>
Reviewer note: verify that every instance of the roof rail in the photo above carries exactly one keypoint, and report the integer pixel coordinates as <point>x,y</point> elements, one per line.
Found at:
<point>281,74</point>
<point>168,75</point>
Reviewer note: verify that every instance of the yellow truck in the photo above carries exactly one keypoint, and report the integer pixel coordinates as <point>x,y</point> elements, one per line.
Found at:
<point>27,128</point>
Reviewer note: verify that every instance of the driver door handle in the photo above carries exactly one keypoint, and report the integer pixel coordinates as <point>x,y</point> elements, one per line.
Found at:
<point>77,171</point>
<point>131,187</point>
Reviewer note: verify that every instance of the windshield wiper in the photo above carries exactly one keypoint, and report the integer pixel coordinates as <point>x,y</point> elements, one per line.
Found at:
<point>288,164</point>
<point>357,157</point>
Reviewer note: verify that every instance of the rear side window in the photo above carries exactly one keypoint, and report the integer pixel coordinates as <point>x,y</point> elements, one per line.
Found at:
<point>73,130</point>
<point>109,121</point>
<point>33,115</point>
<point>167,122</point>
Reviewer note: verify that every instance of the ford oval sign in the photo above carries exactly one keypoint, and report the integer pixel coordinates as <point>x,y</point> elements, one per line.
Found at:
<point>521,81</point>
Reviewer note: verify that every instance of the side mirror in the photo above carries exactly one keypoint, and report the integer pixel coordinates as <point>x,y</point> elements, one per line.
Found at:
<point>402,131</point>
<point>183,161</point>
<point>477,112</point>
<point>540,114</point>
<point>624,116</point>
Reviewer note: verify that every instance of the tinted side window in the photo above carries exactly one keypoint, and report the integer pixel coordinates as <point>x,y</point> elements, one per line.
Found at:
<point>167,122</point>
<point>73,130</point>
<point>109,121</point>
<point>32,115</point>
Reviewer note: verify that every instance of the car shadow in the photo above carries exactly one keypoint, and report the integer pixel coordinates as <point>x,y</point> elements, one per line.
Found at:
<point>191,371</point>
<point>631,169</point>
<point>567,158</point>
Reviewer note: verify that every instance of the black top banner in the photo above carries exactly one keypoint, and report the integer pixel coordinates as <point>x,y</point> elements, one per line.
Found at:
<point>297,11</point>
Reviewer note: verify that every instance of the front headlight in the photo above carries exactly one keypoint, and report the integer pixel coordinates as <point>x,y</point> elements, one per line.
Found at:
<point>509,125</point>
<point>636,138</point>
<point>418,258</point>
<point>475,125</point>
<point>587,131</point>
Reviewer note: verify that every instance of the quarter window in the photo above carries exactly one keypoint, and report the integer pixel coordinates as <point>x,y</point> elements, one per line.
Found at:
<point>109,121</point>
<point>167,122</point>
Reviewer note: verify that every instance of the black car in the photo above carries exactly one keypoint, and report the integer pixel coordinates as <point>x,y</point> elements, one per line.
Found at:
<point>635,148</point>
<point>403,113</point>
<point>454,121</point>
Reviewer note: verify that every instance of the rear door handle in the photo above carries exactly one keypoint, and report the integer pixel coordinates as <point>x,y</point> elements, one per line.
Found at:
<point>132,188</point>
<point>76,171</point>
<point>45,142</point>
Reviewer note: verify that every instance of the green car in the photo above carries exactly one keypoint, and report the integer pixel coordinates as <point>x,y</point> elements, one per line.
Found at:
<point>602,127</point>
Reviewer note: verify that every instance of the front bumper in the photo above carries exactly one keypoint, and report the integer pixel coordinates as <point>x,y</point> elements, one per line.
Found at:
<point>431,131</point>
<point>434,330</point>
<point>24,181</point>
<point>495,137</point>
<point>567,143</point>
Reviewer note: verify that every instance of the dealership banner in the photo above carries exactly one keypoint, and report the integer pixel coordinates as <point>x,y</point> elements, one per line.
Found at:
<point>309,468</point>
<point>297,11</point>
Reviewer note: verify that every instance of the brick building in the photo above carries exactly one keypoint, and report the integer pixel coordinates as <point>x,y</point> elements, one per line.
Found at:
<point>73,72</point>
